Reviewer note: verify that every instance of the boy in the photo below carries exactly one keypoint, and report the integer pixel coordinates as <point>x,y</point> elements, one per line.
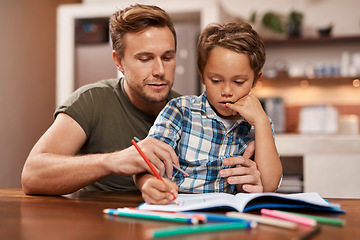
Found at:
<point>208,131</point>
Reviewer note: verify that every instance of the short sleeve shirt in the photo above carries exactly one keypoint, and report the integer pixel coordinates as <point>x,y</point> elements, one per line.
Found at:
<point>110,121</point>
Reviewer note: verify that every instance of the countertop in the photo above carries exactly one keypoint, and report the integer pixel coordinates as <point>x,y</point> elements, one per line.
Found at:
<point>302,144</point>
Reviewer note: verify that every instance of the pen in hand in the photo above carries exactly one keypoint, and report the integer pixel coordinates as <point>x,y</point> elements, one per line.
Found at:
<point>151,166</point>
<point>176,167</point>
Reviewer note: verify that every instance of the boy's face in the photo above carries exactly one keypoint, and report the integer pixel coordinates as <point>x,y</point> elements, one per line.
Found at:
<point>227,78</point>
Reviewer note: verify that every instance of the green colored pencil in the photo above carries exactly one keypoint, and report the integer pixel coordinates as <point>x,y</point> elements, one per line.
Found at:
<point>152,216</point>
<point>176,231</point>
<point>326,220</point>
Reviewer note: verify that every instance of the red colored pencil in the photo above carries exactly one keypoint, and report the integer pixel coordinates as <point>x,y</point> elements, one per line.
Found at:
<point>150,165</point>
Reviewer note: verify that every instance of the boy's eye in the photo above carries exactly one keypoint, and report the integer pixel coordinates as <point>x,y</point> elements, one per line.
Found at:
<point>215,80</point>
<point>239,82</point>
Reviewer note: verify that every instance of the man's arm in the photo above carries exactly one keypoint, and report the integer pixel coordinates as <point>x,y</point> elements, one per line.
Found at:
<point>245,175</point>
<point>266,156</point>
<point>53,167</point>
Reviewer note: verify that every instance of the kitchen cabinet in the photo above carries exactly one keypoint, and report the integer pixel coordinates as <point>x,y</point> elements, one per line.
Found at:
<point>331,163</point>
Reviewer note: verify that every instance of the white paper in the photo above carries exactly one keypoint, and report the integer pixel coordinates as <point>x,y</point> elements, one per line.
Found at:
<point>189,202</point>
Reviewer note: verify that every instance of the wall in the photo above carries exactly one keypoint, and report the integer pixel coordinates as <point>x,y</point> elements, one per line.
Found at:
<point>318,13</point>
<point>27,80</point>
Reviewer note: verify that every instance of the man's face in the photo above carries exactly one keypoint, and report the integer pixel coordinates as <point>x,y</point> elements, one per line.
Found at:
<point>149,65</point>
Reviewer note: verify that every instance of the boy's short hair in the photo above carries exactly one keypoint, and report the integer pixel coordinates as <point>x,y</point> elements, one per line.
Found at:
<point>236,36</point>
<point>134,19</point>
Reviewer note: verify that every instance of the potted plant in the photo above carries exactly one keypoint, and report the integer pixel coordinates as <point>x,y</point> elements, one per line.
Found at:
<point>273,21</point>
<point>294,24</point>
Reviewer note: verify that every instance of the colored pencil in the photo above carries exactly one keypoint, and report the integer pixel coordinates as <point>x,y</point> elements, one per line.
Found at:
<point>180,170</point>
<point>183,230</point>
<point>200,217</point>
<point>151,216</point>
<point>264,220</point>
<point>289,217</point>
<point>326,220</point>
<point>176,167</point>
<point>216,217</point>
<point>151,166</point>
<point>313,232</point>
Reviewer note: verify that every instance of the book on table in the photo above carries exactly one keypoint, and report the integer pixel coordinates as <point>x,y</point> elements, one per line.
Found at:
<point>243,202</point>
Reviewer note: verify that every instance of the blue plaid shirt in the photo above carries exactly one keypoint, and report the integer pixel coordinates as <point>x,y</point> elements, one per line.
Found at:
<point>201,142</point>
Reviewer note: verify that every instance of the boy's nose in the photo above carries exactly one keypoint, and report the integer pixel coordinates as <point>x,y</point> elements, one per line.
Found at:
<point>226,90</point>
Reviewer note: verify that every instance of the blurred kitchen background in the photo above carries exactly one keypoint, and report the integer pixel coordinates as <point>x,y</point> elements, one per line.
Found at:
<point>310,85</point>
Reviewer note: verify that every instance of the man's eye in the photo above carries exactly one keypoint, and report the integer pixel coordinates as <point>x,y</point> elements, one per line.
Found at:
<point>168,58</point>
<point>144,59</point>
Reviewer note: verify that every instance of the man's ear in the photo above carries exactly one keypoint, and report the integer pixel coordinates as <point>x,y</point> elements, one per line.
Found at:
<point>256,80</point>
<point>201,77</point>
<point>117,61</point>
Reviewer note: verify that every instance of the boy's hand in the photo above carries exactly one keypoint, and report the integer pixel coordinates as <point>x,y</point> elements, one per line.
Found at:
<point>155,191</point>
<point>245,175</point>
<point>249,107</point>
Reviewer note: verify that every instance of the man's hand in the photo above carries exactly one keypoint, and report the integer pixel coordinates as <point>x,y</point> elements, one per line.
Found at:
<point>129,161</point>
<point>160,154</point>
<point>245,175</point>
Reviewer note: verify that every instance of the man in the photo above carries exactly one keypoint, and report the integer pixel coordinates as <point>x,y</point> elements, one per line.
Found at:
<point>88,145</point>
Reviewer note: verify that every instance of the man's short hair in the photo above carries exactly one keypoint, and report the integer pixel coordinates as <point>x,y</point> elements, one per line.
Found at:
<point>134,19</point>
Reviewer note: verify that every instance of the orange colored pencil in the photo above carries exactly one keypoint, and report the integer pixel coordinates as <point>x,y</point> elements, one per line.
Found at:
<point>151,166</point>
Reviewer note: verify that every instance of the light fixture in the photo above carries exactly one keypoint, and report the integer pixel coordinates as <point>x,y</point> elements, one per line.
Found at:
<point>304,83</point>
<point>356,83</point>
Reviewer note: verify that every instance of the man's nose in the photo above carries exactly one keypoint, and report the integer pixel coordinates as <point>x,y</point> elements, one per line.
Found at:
<point>158,69</point>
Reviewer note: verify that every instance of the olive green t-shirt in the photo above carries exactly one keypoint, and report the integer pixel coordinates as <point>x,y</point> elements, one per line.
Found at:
<point>110,121</point>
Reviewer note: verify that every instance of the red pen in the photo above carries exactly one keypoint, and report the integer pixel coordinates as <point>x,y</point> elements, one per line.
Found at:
<point>150,165</point>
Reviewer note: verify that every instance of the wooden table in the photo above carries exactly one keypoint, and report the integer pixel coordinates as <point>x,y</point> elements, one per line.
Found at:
<point>79,216</point>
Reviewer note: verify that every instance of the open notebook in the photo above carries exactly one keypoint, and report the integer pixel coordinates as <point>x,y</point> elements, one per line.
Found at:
<point>243,202</point>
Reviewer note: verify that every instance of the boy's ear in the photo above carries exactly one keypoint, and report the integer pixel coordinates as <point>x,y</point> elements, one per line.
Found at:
<point>117,61</point>
<point>201,77</point>
<point>257,79</point>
